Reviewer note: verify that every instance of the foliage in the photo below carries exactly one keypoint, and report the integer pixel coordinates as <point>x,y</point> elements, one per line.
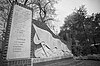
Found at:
<point>4,11</point>
<point>83,30</point>
<point>43,10</point>
<point>75,23</point>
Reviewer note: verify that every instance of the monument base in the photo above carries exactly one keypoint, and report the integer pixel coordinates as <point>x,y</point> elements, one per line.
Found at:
<point>31,61</point>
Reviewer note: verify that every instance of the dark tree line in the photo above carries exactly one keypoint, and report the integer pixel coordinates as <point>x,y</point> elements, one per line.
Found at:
<point>84,30</point>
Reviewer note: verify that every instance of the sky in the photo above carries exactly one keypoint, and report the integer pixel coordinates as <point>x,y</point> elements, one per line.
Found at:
<point>66,7</point>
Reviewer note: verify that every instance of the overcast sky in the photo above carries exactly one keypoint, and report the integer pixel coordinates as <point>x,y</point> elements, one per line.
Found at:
<point>66,7</point>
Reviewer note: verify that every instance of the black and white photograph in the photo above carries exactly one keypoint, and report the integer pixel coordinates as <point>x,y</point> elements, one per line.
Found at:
<point>49,32</point>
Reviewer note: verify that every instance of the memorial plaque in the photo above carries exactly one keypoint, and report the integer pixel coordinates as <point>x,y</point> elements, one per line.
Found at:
<point>19,45</point>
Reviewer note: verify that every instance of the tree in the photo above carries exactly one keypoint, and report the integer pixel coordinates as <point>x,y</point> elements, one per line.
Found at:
<point>43,10</point>
<point>4,11</point>
<point>92,27</point>
<point>96,28</point>
<point>81,28</point>
<point>76,25</point>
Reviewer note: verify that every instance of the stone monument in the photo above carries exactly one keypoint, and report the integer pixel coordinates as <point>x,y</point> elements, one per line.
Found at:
<point>29,41</point>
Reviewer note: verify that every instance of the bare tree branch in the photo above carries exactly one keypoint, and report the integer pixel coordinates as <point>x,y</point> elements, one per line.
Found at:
<point>46,4</point>
<point>25,2</point>
<point>9,2</point>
